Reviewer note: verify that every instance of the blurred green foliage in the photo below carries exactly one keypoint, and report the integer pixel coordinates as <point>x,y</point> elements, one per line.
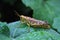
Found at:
<point>4,29</point>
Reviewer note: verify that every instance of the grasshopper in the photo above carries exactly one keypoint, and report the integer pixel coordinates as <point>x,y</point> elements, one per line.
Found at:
<point>33,22</point>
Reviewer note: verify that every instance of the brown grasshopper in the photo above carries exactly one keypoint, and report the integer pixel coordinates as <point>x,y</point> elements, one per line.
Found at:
<point>33,22</point>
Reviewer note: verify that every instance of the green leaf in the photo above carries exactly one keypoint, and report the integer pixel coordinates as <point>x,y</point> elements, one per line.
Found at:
<point>56,23</point>
<point>4,29</point>
<point>39,35</point>
<point>3,37</point>
<point>20,32</point>
<point>44,10</point>
<point>16,29</point>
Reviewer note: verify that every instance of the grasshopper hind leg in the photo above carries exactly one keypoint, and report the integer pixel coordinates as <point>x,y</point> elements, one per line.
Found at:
<point>28,27</point>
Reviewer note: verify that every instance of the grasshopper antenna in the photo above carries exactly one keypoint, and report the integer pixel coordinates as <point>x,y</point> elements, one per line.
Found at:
<point>17,13</point>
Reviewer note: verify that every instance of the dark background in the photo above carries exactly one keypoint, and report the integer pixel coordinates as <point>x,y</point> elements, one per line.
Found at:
<point>7,9</point>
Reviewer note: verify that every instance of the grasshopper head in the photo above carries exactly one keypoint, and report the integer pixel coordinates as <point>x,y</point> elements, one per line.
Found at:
<point>22,16</point>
